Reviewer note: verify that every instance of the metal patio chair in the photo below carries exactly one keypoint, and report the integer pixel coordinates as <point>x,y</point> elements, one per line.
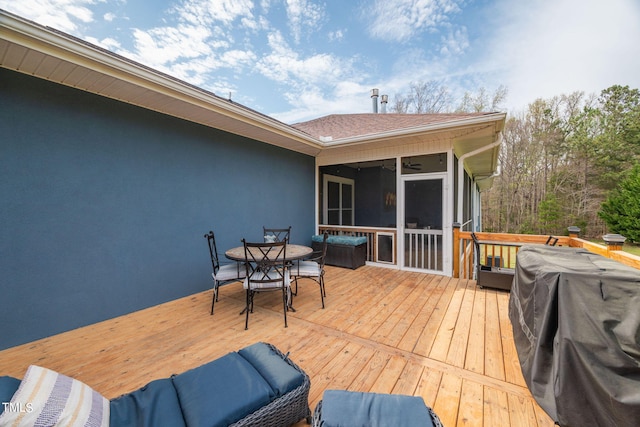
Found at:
<point>312,268</point>
<point>276,234</point>
<point>222,274</point>
<point>266,270</point>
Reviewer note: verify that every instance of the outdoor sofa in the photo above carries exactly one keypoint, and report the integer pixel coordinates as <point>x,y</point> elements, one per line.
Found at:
<point>255,386</point>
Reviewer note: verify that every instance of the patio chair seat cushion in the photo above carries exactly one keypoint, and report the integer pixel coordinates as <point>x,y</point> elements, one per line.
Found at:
<point>155,404</point>
<point>267,285</point>
<point>221,392</point>
<point>305,268</point>
<point>282,377</point>
<point>230,272</point>
<point>342,408</point>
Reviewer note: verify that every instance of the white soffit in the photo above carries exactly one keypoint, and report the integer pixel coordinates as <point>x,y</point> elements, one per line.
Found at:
<point>46,53</point>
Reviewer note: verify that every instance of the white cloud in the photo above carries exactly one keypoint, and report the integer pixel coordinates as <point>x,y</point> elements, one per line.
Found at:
<point>337,35</point>
<point>206,12</point>
<point>556,47</point>
<point>400,20</point>
<point>163,45</point>
<point>455,43</point>
<point>62,15</point>
<point>301,14</point>
<point>284,64</point>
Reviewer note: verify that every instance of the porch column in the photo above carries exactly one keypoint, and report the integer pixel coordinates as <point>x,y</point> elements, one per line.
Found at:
<point>456,250</point>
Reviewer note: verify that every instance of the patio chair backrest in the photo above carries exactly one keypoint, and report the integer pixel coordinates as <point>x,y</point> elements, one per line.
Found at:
<point>213,251</point>
<point>265,264</point>
<point>277,234</point>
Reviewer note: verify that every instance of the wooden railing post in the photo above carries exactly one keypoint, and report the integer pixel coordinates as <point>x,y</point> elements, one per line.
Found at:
<point>574,232</point>
<point>456,250</point>
<point>614,242</point>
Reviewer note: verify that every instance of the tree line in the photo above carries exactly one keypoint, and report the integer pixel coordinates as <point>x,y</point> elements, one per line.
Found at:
<point>572,160</point>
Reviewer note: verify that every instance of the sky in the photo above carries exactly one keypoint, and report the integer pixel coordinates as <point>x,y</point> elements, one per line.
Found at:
<point>296,60</point>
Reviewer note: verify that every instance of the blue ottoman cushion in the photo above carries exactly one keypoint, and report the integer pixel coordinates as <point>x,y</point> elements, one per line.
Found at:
<point>340,240</point>
<point>354,409</point>
<point>281,376</point>
<point>8,387</point>
<point>221,392</point>
<point>155,404</point>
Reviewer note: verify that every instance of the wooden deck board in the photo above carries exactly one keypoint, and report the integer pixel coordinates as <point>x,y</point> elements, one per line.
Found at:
<point>382,331</point>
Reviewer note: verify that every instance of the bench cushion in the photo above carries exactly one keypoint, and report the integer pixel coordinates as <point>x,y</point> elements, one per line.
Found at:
<point>155,404</point>
<point>354,409</point>
<point>221,392</point>
<point>281,376</point>
<point>341,240</point>
<point>8,387</point>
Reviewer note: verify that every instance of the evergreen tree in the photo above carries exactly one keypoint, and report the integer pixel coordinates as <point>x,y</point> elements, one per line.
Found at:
<point>621,210</point>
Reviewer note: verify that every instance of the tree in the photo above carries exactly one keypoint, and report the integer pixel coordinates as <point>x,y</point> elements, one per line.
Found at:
<point>621,210</point>
<point>423,98</point>
<point>479,102</point>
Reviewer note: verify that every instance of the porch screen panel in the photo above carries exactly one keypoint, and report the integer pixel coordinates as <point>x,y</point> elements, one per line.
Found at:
<point>333,203</point>
<point>347,204</point>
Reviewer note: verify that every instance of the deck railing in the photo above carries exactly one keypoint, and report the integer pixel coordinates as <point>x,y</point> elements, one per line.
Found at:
<point>497,249</point>
<point>501,249</point>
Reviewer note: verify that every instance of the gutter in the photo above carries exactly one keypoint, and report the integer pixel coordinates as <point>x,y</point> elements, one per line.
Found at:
<point>461,171</point>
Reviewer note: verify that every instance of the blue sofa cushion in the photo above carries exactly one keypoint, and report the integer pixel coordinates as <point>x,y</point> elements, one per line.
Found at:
<point>341,240</point>
<point>353,409</point>
<point>221,392</point>
<point>8,387</point>
<point>281,376</point>
<point>155,404</point>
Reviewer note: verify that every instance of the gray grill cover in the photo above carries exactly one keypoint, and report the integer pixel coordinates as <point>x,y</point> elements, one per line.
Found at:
<point>576,324</point>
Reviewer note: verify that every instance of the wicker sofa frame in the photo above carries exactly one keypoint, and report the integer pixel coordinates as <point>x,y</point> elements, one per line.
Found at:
<point>285,410</point>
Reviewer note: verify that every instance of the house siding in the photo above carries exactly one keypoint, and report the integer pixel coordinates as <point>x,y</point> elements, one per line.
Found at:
<point>105,205</point>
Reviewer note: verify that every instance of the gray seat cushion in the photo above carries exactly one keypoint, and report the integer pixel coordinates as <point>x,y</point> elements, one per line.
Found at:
<point>354,409</point>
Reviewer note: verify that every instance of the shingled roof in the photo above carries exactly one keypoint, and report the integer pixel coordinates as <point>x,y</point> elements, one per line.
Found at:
<point>341,126</point>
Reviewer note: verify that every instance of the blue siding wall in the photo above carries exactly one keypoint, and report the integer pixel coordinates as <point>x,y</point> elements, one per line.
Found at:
<point>104,205</point>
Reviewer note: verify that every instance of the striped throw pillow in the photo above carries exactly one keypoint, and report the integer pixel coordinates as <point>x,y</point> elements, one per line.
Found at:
<point>47,398</point>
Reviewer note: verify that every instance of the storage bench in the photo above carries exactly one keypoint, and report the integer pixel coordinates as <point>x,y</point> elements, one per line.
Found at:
<point>343,251</point>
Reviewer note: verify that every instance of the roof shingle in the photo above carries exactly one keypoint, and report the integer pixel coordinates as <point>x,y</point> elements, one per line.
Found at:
<point>340,126</point>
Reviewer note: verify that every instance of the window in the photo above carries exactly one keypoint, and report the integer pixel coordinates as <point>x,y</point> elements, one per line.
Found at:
<point>338,200</point>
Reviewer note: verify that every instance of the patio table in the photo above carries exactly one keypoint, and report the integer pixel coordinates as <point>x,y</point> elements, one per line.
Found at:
<point>293,252</point>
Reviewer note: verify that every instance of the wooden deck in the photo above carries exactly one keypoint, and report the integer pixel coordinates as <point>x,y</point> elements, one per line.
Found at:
<point>383,330</point>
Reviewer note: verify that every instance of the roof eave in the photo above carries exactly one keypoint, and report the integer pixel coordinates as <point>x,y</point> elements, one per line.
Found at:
<point>497,118</point>
<point>52,43</point>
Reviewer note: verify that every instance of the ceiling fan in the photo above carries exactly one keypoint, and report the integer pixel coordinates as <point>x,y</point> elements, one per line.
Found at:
<point>414,166</point>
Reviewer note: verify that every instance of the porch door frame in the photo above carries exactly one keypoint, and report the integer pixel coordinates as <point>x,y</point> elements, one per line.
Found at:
<point>446,222</point>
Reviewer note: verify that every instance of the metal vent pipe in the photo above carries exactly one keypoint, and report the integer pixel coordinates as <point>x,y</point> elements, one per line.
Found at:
<point>383,103</point>
<point>374,100</point>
